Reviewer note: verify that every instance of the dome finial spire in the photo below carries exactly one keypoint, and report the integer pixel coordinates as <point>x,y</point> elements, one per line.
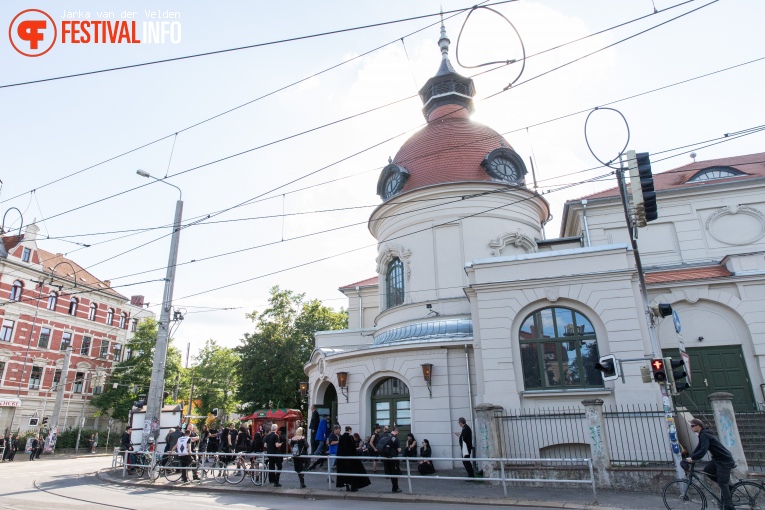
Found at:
<point>444,41</point>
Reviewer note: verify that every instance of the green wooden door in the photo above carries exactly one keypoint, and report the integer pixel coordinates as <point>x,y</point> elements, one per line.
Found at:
<point>716,369</point>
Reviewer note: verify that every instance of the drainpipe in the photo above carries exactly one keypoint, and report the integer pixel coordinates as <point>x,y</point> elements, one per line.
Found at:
<point>470,399</point>
<point>361,309</point>
<point>586,228</point>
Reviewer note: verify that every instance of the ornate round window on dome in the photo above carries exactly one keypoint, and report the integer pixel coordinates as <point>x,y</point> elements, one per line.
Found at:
<point>505,165</point>
<point>392,180</point>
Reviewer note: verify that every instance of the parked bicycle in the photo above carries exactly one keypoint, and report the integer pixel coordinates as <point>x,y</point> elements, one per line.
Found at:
<point>690,494</point>
<point>243,467</point>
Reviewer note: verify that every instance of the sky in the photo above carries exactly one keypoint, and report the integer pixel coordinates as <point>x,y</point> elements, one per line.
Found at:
<point>320,118</point>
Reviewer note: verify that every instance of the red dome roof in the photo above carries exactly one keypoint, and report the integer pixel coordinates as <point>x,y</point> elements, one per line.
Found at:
<point>449,149</point>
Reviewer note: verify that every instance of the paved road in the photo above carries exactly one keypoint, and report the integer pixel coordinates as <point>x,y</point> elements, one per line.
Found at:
<point>72,484</point>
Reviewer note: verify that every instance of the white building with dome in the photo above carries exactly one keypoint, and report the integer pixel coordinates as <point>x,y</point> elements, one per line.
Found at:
<point>468,291</point>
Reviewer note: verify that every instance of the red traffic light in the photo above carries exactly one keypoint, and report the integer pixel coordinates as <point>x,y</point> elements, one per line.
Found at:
<point>657,367</point>
<point>657,364</point>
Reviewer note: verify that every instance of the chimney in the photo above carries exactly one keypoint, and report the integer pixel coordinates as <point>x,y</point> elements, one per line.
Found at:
<point>30,234</point>
<point>108,283</point>
<point>136,301</point>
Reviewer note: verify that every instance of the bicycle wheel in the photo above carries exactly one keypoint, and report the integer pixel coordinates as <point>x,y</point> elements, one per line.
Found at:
<point>748,495</point>
<point>155,471</point>
<point>236,475</point>
<point>172,470</point>
<point>679,494</point>
<point>257,475</point>
<point>218,471</point>
<point>138,470</point>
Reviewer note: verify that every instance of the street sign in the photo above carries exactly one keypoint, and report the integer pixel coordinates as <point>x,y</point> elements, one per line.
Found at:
<point>676,320</point>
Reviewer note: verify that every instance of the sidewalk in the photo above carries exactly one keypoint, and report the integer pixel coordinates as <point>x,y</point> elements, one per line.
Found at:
<point>430,490</point>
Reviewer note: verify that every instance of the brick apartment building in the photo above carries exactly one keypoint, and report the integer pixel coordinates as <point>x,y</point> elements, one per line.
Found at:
<point>48,302</point>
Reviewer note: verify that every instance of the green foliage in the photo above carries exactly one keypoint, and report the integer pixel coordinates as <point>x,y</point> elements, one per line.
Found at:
<point>272,358</point>
<point>214,378</point>
<point>133,375</point>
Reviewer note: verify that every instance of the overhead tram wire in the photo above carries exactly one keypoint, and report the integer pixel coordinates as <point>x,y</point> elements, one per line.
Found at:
<point>601,49</point>
<point>724,138</point>
<point>251,46</point>
<point>300,81</point>
<point>230,110</point>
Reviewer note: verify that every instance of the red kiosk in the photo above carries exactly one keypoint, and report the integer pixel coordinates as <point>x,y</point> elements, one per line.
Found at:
<point>290,418</point>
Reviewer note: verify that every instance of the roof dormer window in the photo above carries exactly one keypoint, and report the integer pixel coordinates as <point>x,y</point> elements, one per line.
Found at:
<point>715,172</point>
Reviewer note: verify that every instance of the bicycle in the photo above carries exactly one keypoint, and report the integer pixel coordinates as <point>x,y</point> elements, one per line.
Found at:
<point>689,494</point>
<point>242,468</point>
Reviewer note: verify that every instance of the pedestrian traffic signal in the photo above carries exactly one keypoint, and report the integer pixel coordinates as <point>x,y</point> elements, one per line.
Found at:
<point>608,367</point>
<point>215,412</point>
<point>45,420</point>
<point>641,187</point>
<point>658,370</point>
<point>675,375</point>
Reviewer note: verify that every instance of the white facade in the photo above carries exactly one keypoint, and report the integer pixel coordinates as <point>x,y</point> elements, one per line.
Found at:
<point>461,278</point>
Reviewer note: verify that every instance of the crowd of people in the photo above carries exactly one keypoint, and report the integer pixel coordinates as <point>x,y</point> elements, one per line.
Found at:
<point>9,446</point>
<point>325,442</point>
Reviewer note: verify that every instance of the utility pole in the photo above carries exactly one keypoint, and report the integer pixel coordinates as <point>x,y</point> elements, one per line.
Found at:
<point>669,414</point>
<point>59,401</point>
<point>155,398</point>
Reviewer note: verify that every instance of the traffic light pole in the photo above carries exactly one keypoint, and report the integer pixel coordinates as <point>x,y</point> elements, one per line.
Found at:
<point>669,414</point>
<point>155,397</point>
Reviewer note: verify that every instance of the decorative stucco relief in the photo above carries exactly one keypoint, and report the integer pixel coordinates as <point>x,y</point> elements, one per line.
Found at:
<point>517,239</point>
<point>750,232</point>
<point>691,295</point>
<point>552,293</point>
<point>390,251</point>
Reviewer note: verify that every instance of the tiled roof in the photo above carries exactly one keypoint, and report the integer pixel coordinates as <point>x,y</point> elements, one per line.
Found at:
<point>678,275</point>
<point>10,241</point>
<point>753,165</point>
<point>362,283</point>
<point>50,260</point>
<point>449,149</point>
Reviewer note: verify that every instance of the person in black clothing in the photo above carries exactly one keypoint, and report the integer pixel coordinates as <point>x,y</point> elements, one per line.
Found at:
<point>225,443</point>
<point>313,427</point>
<point>242,440</point>
<point>213,441</point>
<point>126,445</point>
<point>466,446</point>
<point>273,447</point>
<point>410,448</point>
<point>256,445</point>
<point>722,461</point>
<point>346,447</point>
<point>299,447</point>
<point>391,464</point>
<point>425,467</point>
<point>33,451</point>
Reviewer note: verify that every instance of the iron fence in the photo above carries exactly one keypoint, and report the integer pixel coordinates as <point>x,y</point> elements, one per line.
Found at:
<point>637,435</point>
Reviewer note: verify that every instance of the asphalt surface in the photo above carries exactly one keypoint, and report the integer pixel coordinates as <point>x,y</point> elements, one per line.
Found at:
<point>65,482</point>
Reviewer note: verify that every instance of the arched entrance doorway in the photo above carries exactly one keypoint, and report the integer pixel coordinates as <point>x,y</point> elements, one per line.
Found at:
<point>328,404</point>
<point>391,406</point>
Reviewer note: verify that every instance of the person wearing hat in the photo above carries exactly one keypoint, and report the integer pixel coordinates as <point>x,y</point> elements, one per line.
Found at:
<point>721,464</point>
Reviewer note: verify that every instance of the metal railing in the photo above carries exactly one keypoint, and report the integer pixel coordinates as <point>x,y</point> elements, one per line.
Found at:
<point>637,435</point>
<point>149,460</point>
<point>536,435</point>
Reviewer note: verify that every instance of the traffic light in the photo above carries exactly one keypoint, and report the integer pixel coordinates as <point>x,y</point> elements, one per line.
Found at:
<point>608,367</point>
<point>215,412</point>
<point>675,374</point>
<point>657,368</point>
<point>165,395</point>
<point>641,187</point>
<point>44,420</point>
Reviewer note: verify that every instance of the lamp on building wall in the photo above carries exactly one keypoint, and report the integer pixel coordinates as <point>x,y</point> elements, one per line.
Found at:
<point>427,374</point>
<point>303,389</point>
<point>342,381</point>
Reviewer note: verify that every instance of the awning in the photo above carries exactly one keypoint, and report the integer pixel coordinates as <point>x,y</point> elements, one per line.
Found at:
<point>274,414</point>
<point>10,402</point>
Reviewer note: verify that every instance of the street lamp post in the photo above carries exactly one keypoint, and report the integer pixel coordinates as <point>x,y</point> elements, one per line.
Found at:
<point>155,398</point>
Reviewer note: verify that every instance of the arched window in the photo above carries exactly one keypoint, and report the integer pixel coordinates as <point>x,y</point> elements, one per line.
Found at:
<point>92,312</point>
<point>391,405</point>
<point>394,283</point>
<point>715,172</point>
<point>52,301</point>
<point>123,320</point>
<point>73,306</point>
<point>559,350</point>
<point>16,290</point>
<point>110,316</point>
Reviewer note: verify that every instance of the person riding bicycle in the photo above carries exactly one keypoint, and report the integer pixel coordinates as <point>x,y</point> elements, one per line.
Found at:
<point>722,461</point>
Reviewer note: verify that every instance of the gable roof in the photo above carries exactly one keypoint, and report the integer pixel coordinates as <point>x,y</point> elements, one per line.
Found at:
<point>363,283</point>
<point>50,260</point>
<point>752,165</point>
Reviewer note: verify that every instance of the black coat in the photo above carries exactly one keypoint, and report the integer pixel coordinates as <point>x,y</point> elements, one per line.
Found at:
<point>466,437</point>
<point>347,448</point>
<point>708,442</point>
<point>315,418</point>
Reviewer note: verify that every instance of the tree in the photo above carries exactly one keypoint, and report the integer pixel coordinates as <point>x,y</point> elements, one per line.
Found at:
<point>133,375</point>
<point>271,359</point>
<point>215,378</point>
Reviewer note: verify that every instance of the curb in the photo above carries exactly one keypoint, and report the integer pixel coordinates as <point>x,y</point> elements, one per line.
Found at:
<point>311,494</point>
